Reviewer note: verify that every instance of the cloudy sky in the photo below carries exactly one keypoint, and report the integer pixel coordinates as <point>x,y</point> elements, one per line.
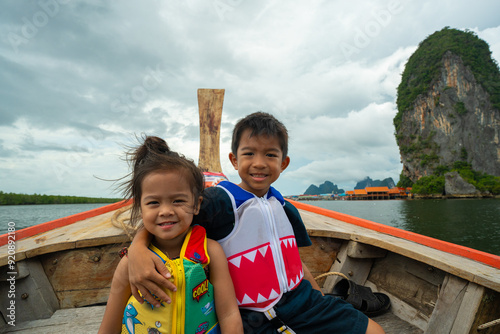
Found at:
<point>80,79</point>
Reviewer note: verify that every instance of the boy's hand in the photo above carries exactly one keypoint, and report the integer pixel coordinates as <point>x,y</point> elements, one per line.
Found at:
<point>148,274</point>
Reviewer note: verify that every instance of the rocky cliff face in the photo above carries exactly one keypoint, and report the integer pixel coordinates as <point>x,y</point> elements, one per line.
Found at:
<point>453,121</point>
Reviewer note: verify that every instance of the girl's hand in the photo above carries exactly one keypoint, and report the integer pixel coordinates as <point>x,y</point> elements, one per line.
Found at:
<point>147,273</point>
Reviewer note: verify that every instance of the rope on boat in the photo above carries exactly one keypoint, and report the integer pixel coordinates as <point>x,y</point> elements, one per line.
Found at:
<point>488,324</point>
<point>329,274</point>
<point>119,222</point>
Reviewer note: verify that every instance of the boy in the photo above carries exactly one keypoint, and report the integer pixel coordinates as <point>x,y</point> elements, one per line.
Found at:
<point>260,234</point>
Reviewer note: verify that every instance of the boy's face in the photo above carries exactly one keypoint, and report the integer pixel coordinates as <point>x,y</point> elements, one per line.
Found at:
<point>259,162</point>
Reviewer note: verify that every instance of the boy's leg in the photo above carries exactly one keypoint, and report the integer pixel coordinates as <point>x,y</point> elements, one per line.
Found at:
<point>256,323</point>
<point>374,328</point>
<point>306,310</point>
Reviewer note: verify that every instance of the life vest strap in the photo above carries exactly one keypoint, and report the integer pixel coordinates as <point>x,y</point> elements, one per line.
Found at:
<point>277,323</point>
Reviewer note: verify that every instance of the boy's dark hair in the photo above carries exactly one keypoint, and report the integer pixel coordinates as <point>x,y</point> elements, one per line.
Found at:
<point>260,123</point>
<point>155,155</point>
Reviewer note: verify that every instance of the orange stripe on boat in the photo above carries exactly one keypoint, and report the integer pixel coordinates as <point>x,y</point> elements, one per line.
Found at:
<point>40,228</point>
<point>448,247</point>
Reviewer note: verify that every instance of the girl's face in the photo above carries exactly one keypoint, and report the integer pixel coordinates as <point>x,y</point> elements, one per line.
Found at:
<point>168,205</point>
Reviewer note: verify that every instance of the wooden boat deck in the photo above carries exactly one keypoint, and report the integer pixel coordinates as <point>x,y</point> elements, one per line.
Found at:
<point>82,320</point>
<point>99,230</point>
<point>86,320</point>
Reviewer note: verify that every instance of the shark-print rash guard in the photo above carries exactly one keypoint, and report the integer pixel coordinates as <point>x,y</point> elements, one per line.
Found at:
<point>262,253</point>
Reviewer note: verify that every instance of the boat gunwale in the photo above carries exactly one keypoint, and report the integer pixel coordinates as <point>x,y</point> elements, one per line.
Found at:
<point>61,222</point>
<point>447,247</point>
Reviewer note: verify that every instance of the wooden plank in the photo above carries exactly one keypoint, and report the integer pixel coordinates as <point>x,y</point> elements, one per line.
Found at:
<point>447,306</point>
<point>356,269</point>
<point>210,109</point>
<point>394,325</point>
<point>468,309</point>
<point>395,274</point>
<point>402,310</point>
<point>363,251</point>
<point>465,268</point>
<point>88,319</point>
<point>33,295</point>
<point>489,310</point>
<point>82,276</point>
<point>40,228</point>
<point>320,256</point>
<point>92,231</point>
<point>21,271</point>
<point>423,271</point>
<point>82,320</point>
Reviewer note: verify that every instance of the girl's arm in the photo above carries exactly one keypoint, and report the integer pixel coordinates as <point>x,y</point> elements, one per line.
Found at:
<point>308,276</point>
<point>146,271</point>
<point>118,298</point>
<point>226,306</point>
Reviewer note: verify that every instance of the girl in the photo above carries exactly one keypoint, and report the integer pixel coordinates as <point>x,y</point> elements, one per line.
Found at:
<point>167,192</point>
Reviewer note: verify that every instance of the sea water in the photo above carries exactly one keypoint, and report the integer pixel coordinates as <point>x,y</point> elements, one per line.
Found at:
<point>29,215</point>
<point>474,223</point>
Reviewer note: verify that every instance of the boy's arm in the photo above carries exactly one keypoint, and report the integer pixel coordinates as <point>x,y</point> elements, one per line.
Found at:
<point>308,276</point>
<point>146,271</point>
<point>226,306</point>
<point>302,238</point>
<point>118,298</point>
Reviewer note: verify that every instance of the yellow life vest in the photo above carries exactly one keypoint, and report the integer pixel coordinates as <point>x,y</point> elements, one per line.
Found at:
<point>192,309</point>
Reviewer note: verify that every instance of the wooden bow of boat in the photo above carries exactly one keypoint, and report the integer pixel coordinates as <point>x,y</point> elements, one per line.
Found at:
<point>435,287</point>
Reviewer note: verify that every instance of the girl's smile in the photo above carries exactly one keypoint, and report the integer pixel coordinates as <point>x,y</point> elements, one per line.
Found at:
<point>167,206</point>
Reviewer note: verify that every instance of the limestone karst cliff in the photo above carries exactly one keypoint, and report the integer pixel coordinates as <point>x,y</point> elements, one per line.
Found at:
<point>449,111</point>
<point>326,187</point>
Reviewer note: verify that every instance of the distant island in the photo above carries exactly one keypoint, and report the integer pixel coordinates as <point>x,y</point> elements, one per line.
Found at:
<point>329,187</point>
<point>326,188</point>
<point>368,182</point>
<point>25,199</point>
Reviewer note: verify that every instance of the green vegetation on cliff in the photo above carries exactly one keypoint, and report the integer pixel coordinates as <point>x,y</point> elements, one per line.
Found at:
<point>21,199</point>
<point>404,181</point>
<point>425,64</point>
<point>426,185</point>
<point>434,184</point>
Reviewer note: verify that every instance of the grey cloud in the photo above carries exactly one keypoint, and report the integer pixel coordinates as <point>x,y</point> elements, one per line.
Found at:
<point>98,73</point>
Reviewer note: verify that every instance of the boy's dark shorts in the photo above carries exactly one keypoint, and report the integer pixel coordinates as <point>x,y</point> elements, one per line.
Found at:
<point>305,310</point>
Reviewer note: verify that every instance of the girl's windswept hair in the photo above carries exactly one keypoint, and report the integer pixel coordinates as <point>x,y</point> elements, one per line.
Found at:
<point>154,155</point>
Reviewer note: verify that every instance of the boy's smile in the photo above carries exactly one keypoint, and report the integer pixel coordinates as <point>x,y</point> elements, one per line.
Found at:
<point>259,162</point>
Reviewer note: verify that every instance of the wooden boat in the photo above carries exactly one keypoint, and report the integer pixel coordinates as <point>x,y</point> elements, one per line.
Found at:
<point>55,276</point>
